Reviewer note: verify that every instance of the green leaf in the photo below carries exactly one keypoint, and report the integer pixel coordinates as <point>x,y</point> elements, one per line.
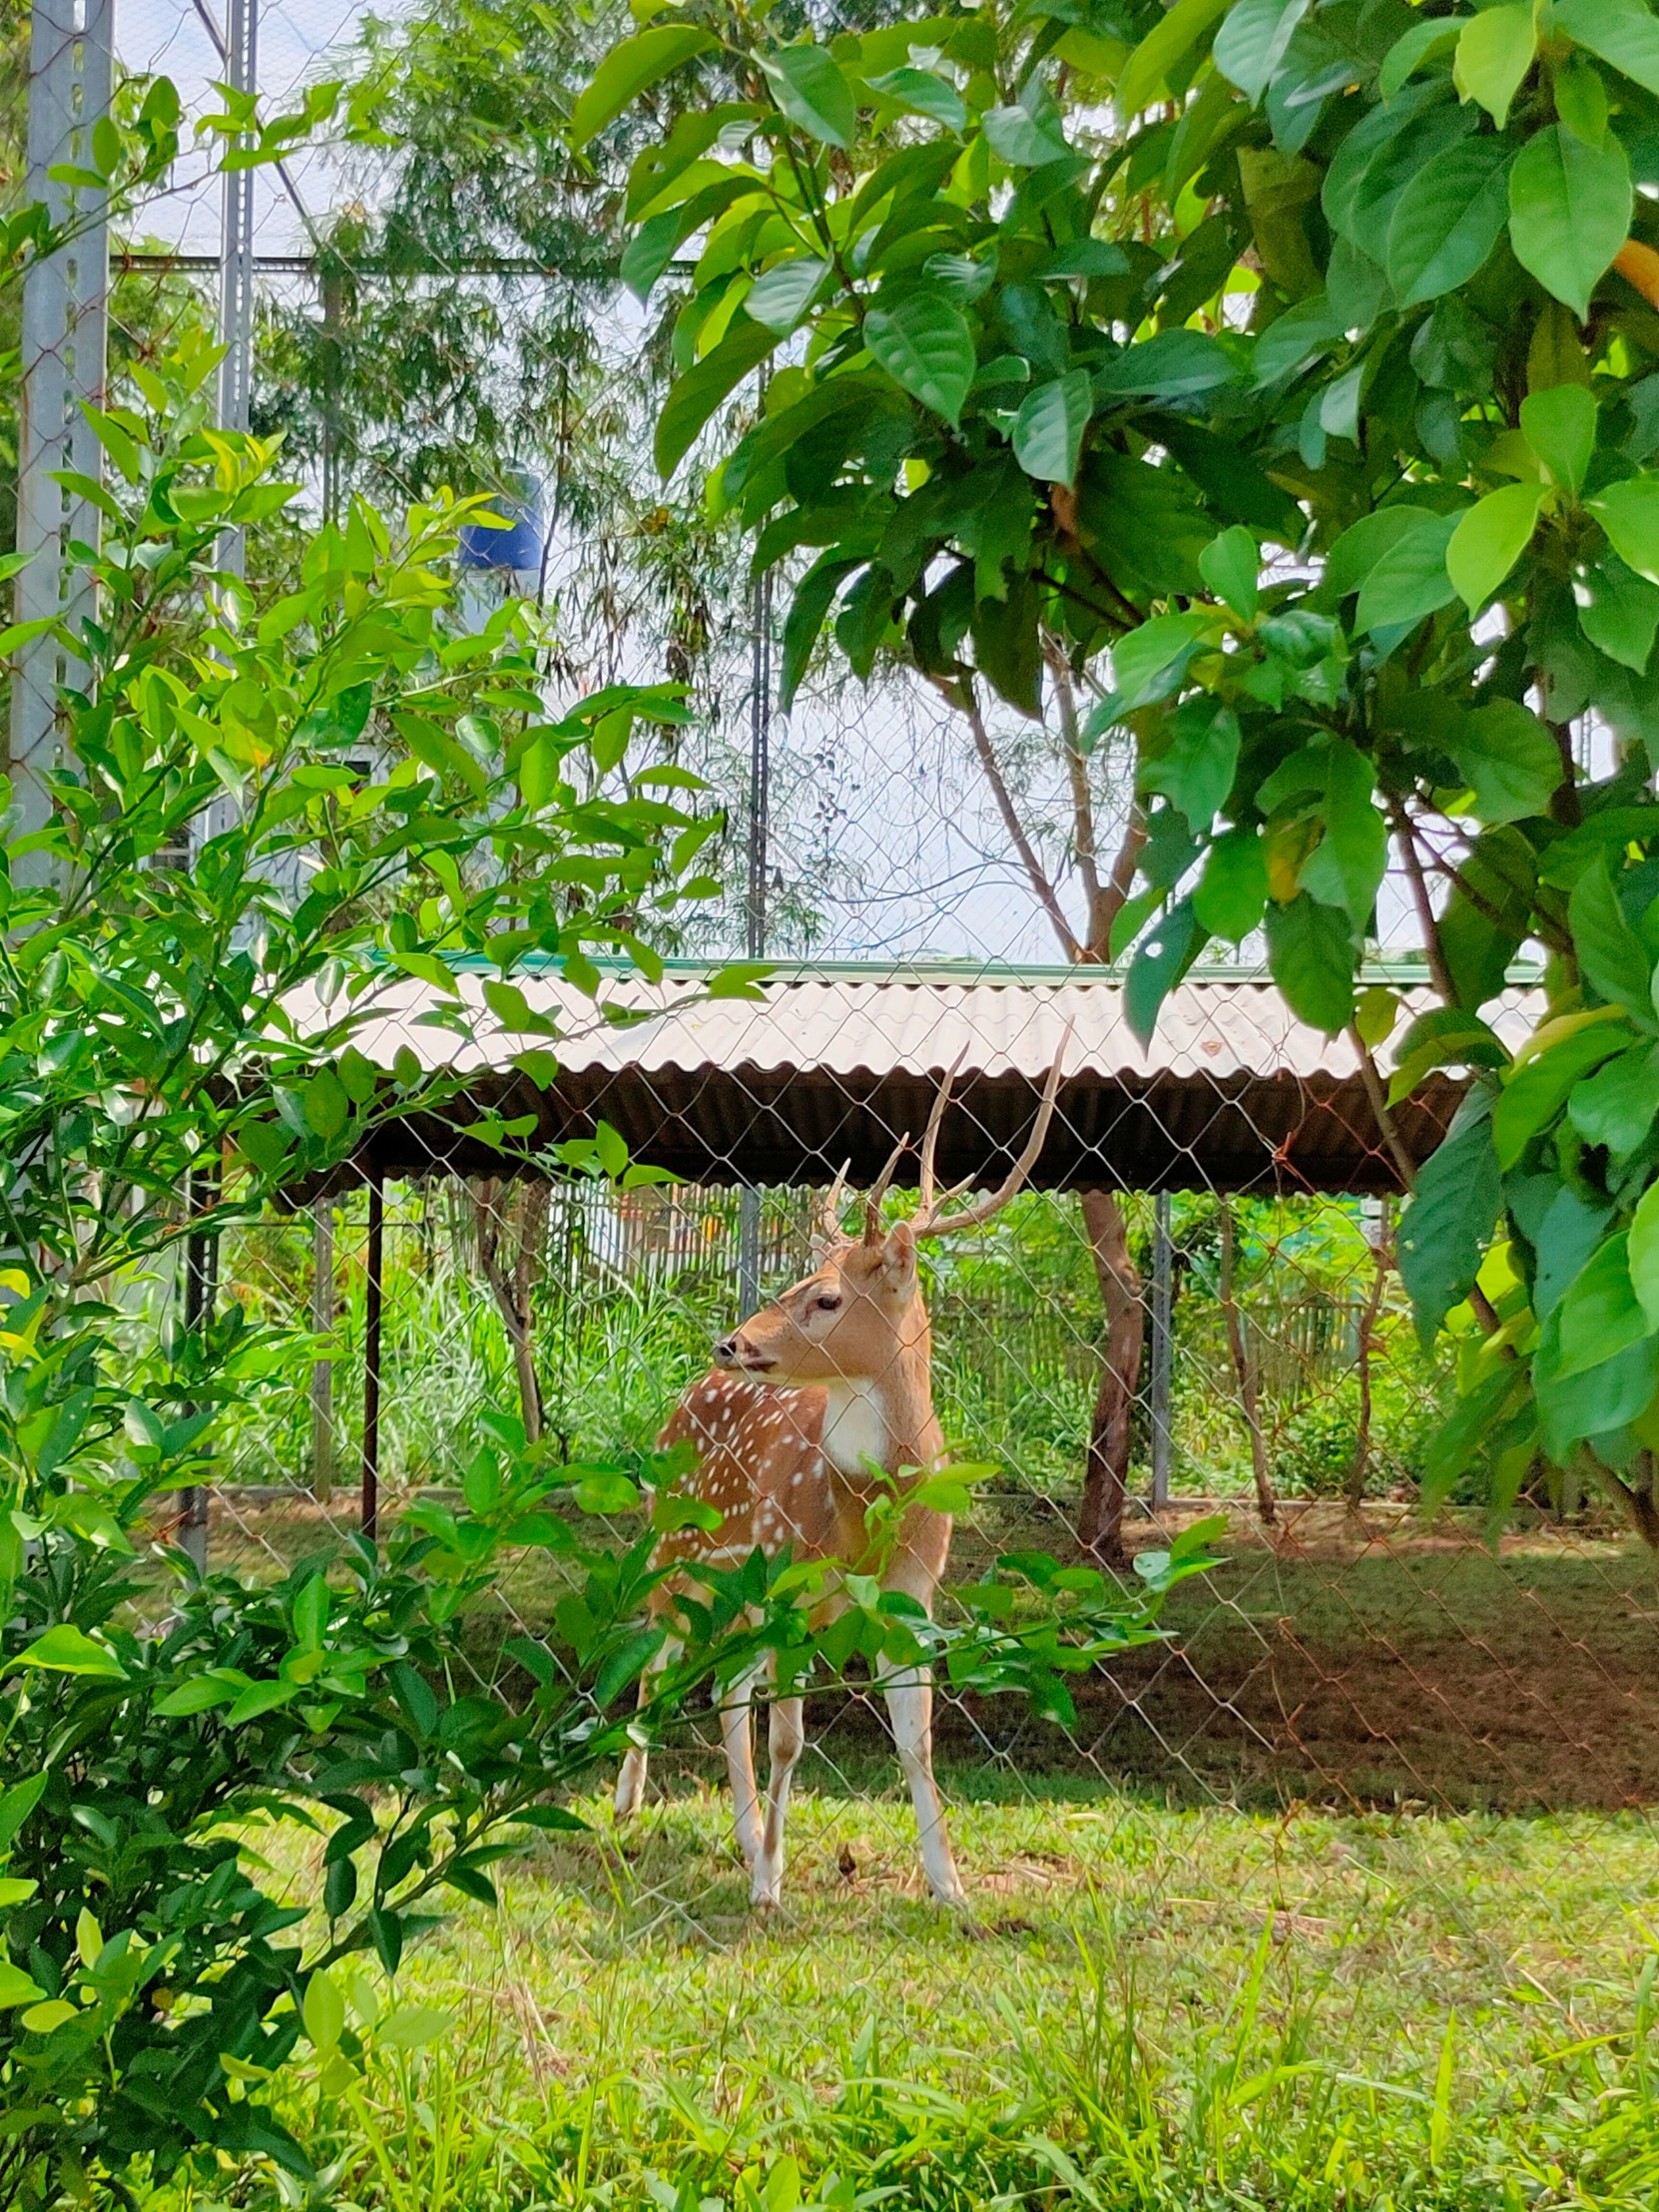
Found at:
<point>66,1649</point>
<point>1560,426</point>
<point>810,88</point>
<point>1252,42</point>
<point>17,1804</point>
<point>1311,954</point>
<point>1491,539</point>
<point>1445,1036</point>
<point>1569,212</point>
<point>1048,430</point>
<point>1494,54</point>
<point>1232,890</point>
<point>693,398</point>
<point>1424,42</point>
<point>1409,580</point>
<point>1600,1315</point>
<point>1352,858</point>
<point>923,94</point>
<point>16,1987</point>
<point>814,596</point>
<point>1618,31</point>
<point>1593,1402</point>
<point>323,2012</point>
<point>1161,958</point>
<point>1619,611</point>
<point>1007,647</point>
<point>1611,957</point>
<point>1643,1254</point>
<point>927,347</point>
<point>1448,218</point>
<point>1629,513</point>
<point>628,70</point>
<point>1508,758</point>
<point>1537,1090</point>
<point>781,299</point>
<point>1445,1228</point>
<point>1195,770</point>
<point>1024,140</point>
<point>1615,1106</point>
<point>1460,1436</point>
<point>1167,44</point>
<point>1231,565</point>
<point>1150,662</point>
<point>324,1104</point>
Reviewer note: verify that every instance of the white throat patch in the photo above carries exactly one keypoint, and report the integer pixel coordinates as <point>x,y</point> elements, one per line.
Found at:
<point>854,1426</point>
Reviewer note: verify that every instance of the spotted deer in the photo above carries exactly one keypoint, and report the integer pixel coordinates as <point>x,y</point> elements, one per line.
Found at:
<point>835,1373</point>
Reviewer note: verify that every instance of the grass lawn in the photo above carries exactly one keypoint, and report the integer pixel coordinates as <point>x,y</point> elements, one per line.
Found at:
<point>1154,2006</point>
<point>1283,1924</point>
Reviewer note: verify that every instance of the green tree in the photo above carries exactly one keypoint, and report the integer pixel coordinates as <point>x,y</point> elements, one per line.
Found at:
<point>1074,315</point>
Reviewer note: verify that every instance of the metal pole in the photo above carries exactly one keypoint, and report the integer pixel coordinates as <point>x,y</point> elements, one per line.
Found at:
<point>759,780</point>
<point>371,1356</point>
<point>332,366</point>
<point>323,1368</point>
<point>1163,1346</point>
<point>235,295</point>
<point>63,345</point>
<point>201,1295</point>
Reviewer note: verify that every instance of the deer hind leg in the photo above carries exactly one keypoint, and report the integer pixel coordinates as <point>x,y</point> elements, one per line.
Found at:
<point>786,1740</point>
<point>629,1781</point>
<point>910,1692</point>
<point>738,1738</point>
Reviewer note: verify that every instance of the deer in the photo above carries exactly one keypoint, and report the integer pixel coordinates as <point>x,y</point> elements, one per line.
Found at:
<point>806,1397</point>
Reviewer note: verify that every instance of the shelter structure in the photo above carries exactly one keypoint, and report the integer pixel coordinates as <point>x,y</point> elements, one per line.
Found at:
<point>824,1064</point>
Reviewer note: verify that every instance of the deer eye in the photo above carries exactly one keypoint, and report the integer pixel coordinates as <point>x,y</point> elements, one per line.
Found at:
<point>831,1302</point>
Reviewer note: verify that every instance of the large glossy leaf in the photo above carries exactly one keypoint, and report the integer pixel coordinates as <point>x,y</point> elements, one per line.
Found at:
<point>808,85</point>
<point>1491,539</point>
<point>1537,1090</point>
<point>1569,211</point>
<point>1448,218</point>
<point>814,596</point>
<point>1629,513</point>
<point>1592,1402</point>
<point>1611,956</point>
<point>1643,1254</point>
<point>693,398</point>
<point>1195,767</point>
<point>1171,364</point>
<point>1508,758</point>
<point>1445,1229</point>
<point>1600,1314</point>
<point>1161,958</point>
<point>1619,611</point>
<point>1616,1106</point>
<point>1560,426</point>
<point>1252,42</point>
<point>1494,54</point>
<point>1347,867</point>
<point>1233,891</point>
<point>1312,953</point>
<point>1149,663</point>
<point>1622,32</point>
<point>925,346</point>
<point>1006,644</point>
<point>1024,140</point>
<point>1167,44</point>
<point>782,296</point>
<point>923,94</point>
<point>1048,430</point>
<point>1409,580</point>
<point>628,70</point>
<point>1422,43</point>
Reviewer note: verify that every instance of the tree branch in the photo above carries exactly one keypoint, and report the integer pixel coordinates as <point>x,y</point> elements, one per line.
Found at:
<point>966,700</point>
<point>1420,898</point>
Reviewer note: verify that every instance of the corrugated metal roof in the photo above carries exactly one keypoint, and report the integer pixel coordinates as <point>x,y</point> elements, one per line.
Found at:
<point>1231,1091</point>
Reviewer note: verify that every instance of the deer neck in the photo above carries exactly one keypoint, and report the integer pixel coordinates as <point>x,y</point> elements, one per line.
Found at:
<point>888,1418</point>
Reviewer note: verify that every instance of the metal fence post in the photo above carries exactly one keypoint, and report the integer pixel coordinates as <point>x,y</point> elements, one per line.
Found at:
<point>371,1354</point>
<point>323,1368</point>
<point>201,1288</point>
<point>64,344</point>
<point>759,780</point>
<point>1163,1346</point>
<point>236,294</point>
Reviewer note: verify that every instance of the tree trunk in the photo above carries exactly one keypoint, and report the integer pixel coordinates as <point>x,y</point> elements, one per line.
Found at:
<point>1106,1480</point>
<point>512,1279</point>
<point>1361,1469</point>
<point>1266,1504</point>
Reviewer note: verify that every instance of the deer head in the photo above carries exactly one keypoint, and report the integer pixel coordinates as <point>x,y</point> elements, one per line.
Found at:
<point>861,1307</point>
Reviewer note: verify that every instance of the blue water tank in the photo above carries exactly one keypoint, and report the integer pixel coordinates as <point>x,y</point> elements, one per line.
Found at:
<point>517,547</point>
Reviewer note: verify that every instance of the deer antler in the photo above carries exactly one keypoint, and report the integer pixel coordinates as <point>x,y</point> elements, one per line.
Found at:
<point>879,1191</point>
<point>928,1222</point>
<point>827,1231</point>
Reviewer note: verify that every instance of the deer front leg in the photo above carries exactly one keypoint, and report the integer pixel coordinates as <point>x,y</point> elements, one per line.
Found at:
<point>785,1739</point>
<point>910,1692</point>
<point>740,1760</point>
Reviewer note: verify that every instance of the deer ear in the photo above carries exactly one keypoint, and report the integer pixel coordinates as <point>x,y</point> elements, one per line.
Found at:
<point>899,1256</point>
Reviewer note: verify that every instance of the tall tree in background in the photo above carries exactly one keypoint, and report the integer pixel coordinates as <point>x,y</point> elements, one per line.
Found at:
<point>1074,315</point>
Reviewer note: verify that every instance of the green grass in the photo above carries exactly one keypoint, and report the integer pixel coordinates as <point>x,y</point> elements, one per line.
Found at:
<point>1155,2007</point>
